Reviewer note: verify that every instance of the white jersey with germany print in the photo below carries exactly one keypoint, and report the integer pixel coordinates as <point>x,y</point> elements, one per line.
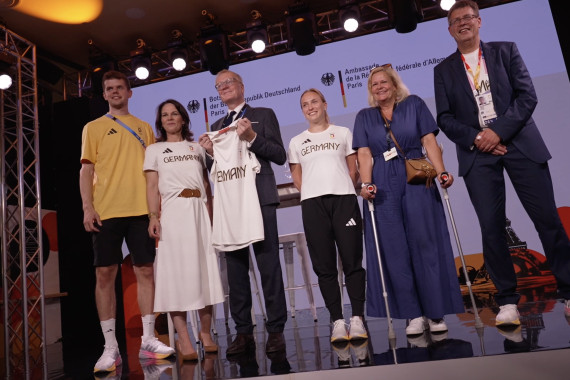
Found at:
<point>322,157</point>
<point>237,213</point>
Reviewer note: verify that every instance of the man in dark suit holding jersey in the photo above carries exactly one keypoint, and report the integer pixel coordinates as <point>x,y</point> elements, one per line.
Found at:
<point>260,128</point>
<point>495,135</point>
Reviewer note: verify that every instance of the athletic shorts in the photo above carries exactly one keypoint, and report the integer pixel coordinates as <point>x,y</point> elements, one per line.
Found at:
<point>108,242</point>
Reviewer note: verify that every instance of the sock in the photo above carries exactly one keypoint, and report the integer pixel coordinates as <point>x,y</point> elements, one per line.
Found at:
<point>148,326</point>
<point>108,328</point>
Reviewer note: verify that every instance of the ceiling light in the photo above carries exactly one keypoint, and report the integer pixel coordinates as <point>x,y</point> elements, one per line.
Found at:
<point>99,61</point>
<point>177,51</point>
<point>405,14</point>
<point>214,54</point>
<point>257,33</point>
<point>5,81</point>
<point>140,60</point>
<point>301,29</point>
<point>6,62</point>
<point>349,15</point>
<point>446,4</point>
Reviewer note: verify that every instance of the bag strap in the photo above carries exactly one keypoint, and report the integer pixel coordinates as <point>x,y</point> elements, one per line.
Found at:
<point>387,126</point>
<point>127,128</point>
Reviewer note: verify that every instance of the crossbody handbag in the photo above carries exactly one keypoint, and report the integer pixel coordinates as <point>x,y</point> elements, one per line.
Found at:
<point>419,171</point>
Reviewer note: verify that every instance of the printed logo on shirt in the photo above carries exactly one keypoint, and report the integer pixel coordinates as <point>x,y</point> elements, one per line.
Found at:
<point>185,157</point>
<point>167,150</point>
<point>351,222</point>
<point>234,173</point>
<point>306,141</point>
<point>111,132</point>
<point>331,135</point>
<point>191,148</point>
<point>318,147</point>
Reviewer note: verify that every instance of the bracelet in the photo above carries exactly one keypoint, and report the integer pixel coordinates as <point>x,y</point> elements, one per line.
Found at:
<point>365,184</point>
<point>151,214</point>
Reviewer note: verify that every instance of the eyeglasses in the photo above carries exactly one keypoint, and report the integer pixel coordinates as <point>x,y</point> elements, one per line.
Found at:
<point>227,82</point>
<point>460,20</point>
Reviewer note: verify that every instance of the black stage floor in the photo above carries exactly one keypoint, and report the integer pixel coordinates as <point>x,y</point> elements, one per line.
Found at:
<point>544,333</point>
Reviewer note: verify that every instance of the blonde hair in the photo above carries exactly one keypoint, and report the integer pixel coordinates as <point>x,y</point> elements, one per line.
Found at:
<point>320,95</point>
<point>402,91</point>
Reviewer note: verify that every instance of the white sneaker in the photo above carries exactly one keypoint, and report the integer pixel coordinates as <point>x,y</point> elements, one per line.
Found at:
<point>152,348</point>
<point>508,315</point>
<point>416,326</point>
<point>339,333</point>
<point>356,329</point>
<point>437,325</point>
<point>109,361</point>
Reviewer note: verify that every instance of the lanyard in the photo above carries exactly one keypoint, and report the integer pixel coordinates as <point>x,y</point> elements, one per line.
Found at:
<point>477,71</point>
<point>127,128</point>
<point>240,114</point>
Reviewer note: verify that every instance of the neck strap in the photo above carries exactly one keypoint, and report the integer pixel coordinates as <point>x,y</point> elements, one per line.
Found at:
<point>387,126</point>
<point>127,128</point>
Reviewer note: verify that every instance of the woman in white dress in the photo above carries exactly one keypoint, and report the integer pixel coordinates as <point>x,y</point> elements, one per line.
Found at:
<point>180,209</point>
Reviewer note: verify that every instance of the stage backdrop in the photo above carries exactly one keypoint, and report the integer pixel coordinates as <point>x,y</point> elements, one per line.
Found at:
<point>340,71</point>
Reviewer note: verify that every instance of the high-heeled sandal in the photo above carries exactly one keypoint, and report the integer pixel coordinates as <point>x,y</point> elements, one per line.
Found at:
<point>209,349</point>
<point>186,357</point>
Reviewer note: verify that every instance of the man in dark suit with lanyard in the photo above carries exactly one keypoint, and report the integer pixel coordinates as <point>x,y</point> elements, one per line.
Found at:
<point>264,139</point>
<point>494,135</point>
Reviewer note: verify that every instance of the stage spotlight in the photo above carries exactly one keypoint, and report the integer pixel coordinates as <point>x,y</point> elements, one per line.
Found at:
<point>99,65</point>
<point>301,29</point>
<point>140,60</point>
<point>257,35</point>
<point>405,14</point>
<point>446,4</point>
<point>349,15</point>
<point>5,80</point>
<point>99,61</point>
<point>177,51</point>
<point>214,54</point>
<point>6,62</point>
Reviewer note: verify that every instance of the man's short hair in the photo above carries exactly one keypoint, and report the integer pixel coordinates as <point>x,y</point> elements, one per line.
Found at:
<point>462,4</point>
<point>113,74</point>
<point>226,71</point>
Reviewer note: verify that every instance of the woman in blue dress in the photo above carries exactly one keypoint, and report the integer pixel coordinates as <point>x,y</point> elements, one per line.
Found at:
<point>417,258</point>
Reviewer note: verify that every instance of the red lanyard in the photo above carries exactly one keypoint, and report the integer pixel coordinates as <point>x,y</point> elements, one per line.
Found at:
<point>477,72</point>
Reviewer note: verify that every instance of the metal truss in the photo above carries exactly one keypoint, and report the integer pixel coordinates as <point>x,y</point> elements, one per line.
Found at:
<point>375,16</point>
<point>23,304</point>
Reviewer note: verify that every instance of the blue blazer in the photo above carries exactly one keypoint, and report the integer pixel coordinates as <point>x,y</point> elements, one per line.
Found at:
<point>513,96</point>
<point>268,147</point>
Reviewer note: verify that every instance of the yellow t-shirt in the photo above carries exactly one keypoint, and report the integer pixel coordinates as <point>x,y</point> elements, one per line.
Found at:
<point>119,188</point>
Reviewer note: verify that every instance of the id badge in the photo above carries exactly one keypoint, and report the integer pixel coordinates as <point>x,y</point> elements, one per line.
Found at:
<point>486,107</point>
<point>389,154</point>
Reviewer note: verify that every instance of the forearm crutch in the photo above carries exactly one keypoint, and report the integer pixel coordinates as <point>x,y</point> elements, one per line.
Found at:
<point>478,322</point>
<point>391,333</point>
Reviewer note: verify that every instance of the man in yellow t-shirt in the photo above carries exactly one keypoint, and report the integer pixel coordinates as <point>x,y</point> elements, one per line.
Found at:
<point>113,192</point>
